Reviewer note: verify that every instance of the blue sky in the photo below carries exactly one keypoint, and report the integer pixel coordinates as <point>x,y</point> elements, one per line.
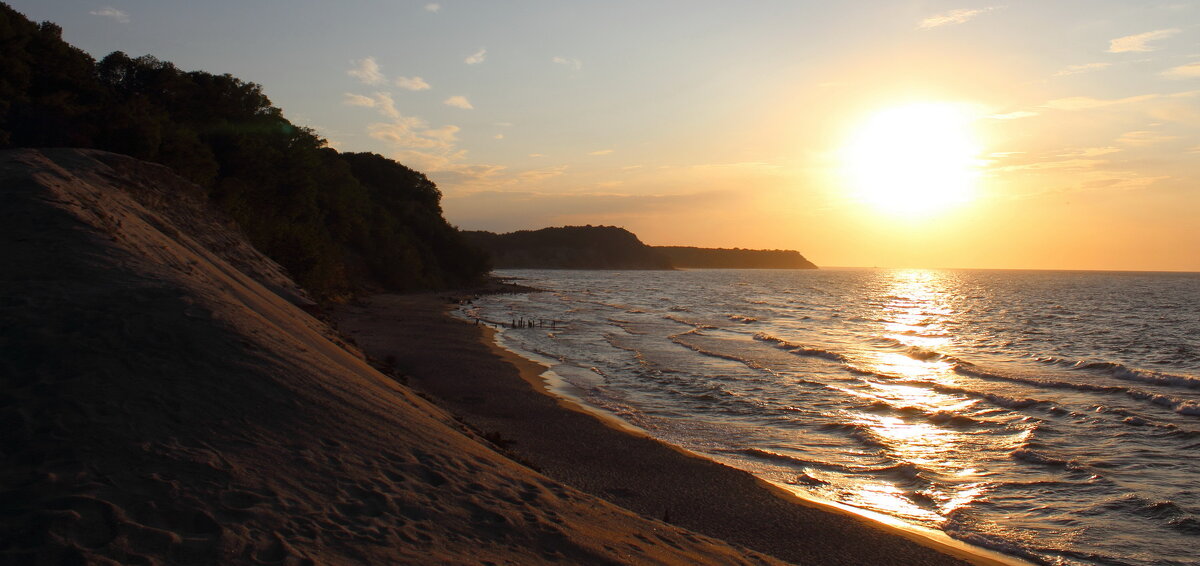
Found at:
<point>722,123</point>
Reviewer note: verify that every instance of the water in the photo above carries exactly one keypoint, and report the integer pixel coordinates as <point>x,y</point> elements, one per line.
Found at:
<point>1054,416</point>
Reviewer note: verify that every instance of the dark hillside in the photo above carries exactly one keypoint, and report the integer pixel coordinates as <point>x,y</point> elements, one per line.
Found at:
<point>569,247</point>
<point>736,258</point>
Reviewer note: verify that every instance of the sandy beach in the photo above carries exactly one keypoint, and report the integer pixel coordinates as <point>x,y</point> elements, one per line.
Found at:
<point>502,395</point>
<point>164,403</point>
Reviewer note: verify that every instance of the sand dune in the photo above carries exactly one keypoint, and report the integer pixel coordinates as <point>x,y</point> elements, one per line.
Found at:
<point>165,400</point>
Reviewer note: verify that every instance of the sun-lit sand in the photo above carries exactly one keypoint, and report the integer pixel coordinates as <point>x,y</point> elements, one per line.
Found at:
<point>167,399</point>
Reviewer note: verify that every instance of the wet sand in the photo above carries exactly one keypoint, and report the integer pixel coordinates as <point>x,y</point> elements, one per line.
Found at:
<point>503,396</point>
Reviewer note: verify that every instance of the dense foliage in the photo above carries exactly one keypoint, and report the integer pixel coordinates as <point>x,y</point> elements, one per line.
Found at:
<point>339,222</point>
<point>570,247</point>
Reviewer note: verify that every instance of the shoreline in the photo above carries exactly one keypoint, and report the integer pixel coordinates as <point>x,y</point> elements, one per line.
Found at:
<point>535,373</point>
<point>505,396</point>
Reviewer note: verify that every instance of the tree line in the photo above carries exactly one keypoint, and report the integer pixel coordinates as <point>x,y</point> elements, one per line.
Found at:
<point>340,223</point>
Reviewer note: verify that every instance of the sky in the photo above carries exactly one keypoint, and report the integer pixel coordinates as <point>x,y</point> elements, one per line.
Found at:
<point>1023,135</point>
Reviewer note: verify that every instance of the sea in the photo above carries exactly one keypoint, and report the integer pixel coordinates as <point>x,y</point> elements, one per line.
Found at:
<point>1049,415</point>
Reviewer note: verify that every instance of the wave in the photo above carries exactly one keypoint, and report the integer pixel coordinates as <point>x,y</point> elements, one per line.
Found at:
<point>935,416</point>
<point>1163,511</point>
<point>1009,547</point>
<point>775,457</point>
<point>800,350</point>
<point>742,319</point>
<point>686,322</point>
<point>1186,407</point>
<point>906,472</point>
<point>1122,371</point>
<point>923,354</point>
<point>1034,457</point>
<point>713,354</point>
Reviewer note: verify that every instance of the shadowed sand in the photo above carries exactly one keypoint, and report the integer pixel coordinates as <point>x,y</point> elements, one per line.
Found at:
<point>503,396</point>
<point>162,403</point>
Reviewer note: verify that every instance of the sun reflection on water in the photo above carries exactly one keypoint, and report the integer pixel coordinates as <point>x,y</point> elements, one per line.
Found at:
<point>917,425</point>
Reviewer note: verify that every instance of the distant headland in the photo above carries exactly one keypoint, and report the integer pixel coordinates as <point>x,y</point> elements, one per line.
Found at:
<point>612,247</point>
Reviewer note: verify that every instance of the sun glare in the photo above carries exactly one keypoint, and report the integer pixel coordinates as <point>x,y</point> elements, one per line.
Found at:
<point>915,159</point>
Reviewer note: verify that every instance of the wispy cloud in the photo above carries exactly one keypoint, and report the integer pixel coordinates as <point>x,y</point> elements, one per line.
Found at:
<point>1093,151</point>
<point>381,101</point>
<point>575,64</point>
<point>498,136</point>
<point>537,155</point>
<point>1139,42</point>
<point>459,101</point>
<point>533,175</point>
<point>433,7</point>
<point>385,104</point>
<point>476,57</point>
<point>409,132</point>
<point>1013,115</point>
<point>358,100</point>
<point>113,13</point>
<point>600,152</point>
<point>366,70</point>
<point>1076,69</point>
<point>1142,138</point>
<point>1088,103</point>
<point>953,17</point>
<point>1188,71</point>
<point>412,83</point>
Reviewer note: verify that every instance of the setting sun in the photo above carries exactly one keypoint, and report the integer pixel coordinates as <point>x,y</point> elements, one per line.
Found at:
<point>914,159</point>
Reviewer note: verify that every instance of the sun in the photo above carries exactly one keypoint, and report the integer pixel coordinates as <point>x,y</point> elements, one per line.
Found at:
<point>914,160</point>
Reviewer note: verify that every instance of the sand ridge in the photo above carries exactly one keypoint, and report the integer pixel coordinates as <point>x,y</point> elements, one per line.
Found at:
<point>164,404</point>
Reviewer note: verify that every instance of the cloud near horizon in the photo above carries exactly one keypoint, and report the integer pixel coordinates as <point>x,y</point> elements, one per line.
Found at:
<point>112,13</point>
<point>412,83</point>
<point>476,58</point>
<point>1139,43</point>
<point>458,101</point>
<point>366,70</point>
<point>433,7</point>
<point>953,17</point>
<point>600,152</point>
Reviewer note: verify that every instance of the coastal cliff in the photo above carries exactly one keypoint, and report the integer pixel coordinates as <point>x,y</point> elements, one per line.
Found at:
<point>569,247</point>
<point>611,247</point>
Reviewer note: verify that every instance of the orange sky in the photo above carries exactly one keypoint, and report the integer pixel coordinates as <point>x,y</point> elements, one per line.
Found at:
<point>726,124</point>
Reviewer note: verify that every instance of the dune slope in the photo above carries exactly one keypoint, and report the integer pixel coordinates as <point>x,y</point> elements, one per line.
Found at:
<point>165,400</point>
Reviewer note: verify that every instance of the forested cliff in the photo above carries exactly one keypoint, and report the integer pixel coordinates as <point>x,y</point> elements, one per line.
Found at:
<point>569,247</point>
<point>339,222</point>
<point>735,258</point>
<point>611,247</point>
